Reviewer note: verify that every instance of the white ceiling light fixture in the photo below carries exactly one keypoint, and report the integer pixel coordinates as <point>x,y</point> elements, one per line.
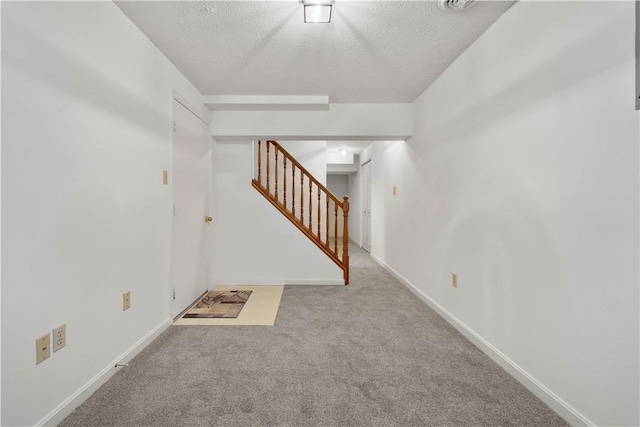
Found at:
<point>455,5</point>
<point>343,151</point>
<point>317,11</point>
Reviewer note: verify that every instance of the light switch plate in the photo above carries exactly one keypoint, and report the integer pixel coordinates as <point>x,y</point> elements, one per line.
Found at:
<point>454,280</point>
<point>165,177</point>
<point>43,348</point>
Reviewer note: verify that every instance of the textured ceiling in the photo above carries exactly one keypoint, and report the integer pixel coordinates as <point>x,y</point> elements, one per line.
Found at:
<point>388,51</point>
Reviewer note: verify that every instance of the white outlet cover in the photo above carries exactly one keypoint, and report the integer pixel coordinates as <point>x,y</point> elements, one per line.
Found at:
<point>59,337</point>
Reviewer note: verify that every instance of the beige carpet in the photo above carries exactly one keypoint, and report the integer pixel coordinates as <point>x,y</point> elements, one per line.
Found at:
<point>260,309</point>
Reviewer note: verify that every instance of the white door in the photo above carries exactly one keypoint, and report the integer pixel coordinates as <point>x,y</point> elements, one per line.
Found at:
<point>366,207</point>
<point>190,233</point>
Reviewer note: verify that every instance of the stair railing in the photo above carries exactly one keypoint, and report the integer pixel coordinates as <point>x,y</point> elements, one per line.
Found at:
<point>305,201</point>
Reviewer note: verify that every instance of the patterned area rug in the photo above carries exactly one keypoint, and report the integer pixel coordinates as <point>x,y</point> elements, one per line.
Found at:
<point>219,304</point>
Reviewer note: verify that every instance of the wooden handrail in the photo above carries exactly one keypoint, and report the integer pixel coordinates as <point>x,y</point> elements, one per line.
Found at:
<point>312,229</point>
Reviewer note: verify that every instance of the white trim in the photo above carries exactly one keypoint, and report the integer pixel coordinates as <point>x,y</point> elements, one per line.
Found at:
<point>254,282</point>
<point>555,402</point>
<point>83,393</point>
<point>266,102</point>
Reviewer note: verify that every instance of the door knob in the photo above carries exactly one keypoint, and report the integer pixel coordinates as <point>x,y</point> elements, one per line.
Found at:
<point>208,219</point>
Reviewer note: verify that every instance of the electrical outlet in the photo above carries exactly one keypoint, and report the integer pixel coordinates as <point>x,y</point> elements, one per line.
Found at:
<point>126,301</point>
<point>454,280</point>
<point>59,337</point>
<point>43,348</point>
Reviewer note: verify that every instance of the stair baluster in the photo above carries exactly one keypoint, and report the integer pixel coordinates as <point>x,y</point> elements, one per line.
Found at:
<point>276,173</point>
<point>326,215</point>
<point>268,187</point>
<point>335,233</point>
<point>293,190</point>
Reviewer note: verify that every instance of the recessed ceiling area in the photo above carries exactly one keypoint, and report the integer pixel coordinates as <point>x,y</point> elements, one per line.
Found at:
<point>371,52</point>
<point>355,147</point>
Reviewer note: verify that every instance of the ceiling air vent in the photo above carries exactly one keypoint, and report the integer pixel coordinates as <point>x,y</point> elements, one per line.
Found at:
<point>455,5</point>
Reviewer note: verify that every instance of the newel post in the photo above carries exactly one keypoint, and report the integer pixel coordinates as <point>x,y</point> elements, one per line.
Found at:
<point>345,239</point>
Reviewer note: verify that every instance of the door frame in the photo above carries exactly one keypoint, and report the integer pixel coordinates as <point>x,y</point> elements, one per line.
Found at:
<point>366,220</point>
<point>200,113</point>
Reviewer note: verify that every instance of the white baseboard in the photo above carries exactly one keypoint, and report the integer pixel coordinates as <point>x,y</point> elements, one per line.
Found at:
<point>339,282</point>
<point>562,408</point>
<point>65,408</point>
<point>253,282</point>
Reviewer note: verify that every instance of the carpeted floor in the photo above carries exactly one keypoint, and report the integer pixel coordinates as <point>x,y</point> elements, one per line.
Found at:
<point>335,357</point>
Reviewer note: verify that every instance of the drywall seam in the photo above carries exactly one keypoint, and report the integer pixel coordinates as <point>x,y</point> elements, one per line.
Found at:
<point>555,402</point>
<point>199,110</point>
<point>72,402</point>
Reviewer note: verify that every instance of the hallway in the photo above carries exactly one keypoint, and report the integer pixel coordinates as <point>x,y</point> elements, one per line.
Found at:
<point>370,353</point>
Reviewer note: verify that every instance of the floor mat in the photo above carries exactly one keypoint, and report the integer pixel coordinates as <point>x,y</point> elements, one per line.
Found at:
<point>260,308</point>
<point>219,304</point>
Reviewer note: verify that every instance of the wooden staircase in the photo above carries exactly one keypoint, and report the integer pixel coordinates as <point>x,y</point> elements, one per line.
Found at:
<point>308,204</point>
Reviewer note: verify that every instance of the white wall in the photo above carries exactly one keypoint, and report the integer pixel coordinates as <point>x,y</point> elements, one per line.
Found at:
<point>86,115</point>
<point>338,185</point>
<point>522,178</point>
<point>256,243</point>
